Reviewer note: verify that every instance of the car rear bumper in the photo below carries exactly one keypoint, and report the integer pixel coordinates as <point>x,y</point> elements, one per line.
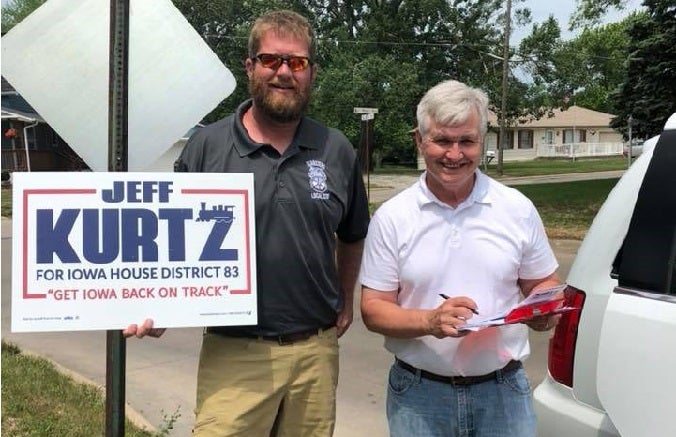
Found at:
<point>559,414</point>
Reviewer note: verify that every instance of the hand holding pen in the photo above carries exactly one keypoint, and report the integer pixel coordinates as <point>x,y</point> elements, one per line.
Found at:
<point>447,319</point>
<point>471,309</point>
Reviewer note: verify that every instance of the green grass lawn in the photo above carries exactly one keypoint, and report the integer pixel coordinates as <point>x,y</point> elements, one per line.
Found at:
<point>534,167</point>
<point>551,166</point>
<point>568,208</point>
<point>37,400</point>
<point>6,199</point>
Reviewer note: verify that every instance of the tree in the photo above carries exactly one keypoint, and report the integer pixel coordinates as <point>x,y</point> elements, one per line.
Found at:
<point>589,12</point>
<point>16,10</point>
<point>588,68</point>
<point>648,92</point>
<point>386,54</point>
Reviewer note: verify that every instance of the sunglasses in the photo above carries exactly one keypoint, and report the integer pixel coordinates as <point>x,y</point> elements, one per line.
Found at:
<point>295,63</point>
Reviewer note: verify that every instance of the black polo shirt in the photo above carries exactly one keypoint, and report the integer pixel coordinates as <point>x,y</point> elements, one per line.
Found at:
<point>304,199</point>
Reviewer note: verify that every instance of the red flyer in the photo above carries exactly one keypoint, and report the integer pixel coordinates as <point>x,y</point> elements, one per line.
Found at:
<point>538,303</point>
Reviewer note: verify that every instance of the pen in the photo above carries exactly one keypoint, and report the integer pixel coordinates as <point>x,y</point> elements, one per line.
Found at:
<point>471,309</point>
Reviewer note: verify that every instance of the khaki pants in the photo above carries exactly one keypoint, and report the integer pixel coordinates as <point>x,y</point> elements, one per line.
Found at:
<point>251,387</point>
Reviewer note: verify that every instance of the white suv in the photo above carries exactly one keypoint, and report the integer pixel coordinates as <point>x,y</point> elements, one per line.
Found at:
<point>612,365</point>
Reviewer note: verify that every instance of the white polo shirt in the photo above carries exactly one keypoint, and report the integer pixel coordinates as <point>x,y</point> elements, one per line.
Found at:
<point>422,247</point>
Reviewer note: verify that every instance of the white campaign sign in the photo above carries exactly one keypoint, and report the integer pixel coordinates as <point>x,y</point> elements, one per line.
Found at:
<point>58,58</point>
<point>96,251</point>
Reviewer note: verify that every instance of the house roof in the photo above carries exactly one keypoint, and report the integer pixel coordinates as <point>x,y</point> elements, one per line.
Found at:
<point>16,107</point>
<point>7,87</point>
<point>21,116</point>
<point>576,116</point>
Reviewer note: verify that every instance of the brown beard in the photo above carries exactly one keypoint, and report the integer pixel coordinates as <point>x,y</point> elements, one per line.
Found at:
<point>279,109</point>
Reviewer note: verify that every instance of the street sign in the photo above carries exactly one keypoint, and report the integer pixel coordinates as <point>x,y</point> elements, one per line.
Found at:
<point>365,110</point>
<point>57,59</point>
<point>365,117</point>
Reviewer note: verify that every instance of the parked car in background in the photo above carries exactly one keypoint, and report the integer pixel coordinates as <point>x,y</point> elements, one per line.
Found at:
<point>612,364</point>
<point>636,149</point>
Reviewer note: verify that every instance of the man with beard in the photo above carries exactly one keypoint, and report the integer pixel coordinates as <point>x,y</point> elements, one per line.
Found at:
<point>279,377</point>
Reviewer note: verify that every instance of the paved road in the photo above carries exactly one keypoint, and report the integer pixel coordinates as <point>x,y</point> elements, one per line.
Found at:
<point>160,373</point>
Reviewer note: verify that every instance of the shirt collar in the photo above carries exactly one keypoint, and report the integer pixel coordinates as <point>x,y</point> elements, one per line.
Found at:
<point>479,192</point>
<point>246,146</point>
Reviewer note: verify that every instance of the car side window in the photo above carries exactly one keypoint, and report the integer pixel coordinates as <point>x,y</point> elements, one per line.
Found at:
<point>647,258</point>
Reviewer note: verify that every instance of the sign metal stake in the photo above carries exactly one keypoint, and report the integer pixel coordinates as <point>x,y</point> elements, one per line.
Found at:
<point>116,348</point>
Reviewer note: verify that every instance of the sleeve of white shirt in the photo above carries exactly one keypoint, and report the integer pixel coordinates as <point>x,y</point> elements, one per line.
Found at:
<point>380,261</point>
<point>538,259</point>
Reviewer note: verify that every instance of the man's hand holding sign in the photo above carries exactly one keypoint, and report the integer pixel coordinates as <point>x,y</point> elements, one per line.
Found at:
<point>146,328</point>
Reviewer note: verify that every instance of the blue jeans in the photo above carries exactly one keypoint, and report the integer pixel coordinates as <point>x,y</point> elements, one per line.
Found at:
<point>418,407</point>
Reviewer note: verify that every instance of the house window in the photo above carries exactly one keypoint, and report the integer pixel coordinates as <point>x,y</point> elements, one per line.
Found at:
<point>549,136</point>
<point>509,143</point>
<point>574,136</point>
<point>525,139</point>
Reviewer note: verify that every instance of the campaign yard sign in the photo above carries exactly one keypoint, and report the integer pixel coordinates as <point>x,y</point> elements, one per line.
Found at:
<point>99,251</point>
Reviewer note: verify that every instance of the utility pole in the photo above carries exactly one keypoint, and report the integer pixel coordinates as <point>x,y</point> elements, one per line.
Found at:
<point>367,114</point>
<point>505,71</point>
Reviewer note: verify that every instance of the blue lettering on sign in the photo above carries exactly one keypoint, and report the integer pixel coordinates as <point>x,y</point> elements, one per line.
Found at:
<point>222,216</point>
<point>52,238</point>
<point>212,248</point>
<point>129,234</point>
<point>136,228</point>
<point>146,189</point>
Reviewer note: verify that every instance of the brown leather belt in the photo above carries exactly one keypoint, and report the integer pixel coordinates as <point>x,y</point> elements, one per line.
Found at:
<point>283,340</point>
<point>458,380</point>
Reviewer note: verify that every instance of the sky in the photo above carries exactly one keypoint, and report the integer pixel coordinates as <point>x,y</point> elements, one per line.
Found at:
<point>562,10</point>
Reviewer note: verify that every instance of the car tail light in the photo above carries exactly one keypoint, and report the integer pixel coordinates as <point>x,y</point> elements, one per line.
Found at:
<point>562,343</point>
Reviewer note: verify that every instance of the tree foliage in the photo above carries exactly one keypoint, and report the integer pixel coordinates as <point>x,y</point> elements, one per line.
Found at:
<point>586,69</point>
<point>648,92</point>
<point>589,12</point>
<point>16,10</point>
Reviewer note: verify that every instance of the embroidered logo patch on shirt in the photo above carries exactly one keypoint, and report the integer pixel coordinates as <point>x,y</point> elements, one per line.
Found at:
<point>317,178</point>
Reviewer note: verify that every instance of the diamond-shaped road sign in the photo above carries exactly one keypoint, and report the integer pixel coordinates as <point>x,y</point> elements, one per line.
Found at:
<point>57,59</point>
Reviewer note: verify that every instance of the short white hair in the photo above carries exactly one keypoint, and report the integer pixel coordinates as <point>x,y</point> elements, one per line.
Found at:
<point>451,103</point>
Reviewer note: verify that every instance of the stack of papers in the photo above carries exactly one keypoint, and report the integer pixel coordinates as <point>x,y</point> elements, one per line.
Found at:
<point>538,303</point>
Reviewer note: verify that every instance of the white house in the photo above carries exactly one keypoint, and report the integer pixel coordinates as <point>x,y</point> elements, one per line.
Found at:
<point>571,133</point>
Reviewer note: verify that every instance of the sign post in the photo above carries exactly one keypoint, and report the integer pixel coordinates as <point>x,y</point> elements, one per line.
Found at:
<point>367,114</point>
<point>116,346</point>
